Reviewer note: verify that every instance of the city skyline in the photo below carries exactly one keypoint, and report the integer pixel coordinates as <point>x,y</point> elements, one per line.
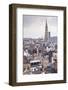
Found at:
<point>34,26</point>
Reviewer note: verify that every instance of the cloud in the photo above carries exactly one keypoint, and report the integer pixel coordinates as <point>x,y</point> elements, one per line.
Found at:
<point>34,26</point>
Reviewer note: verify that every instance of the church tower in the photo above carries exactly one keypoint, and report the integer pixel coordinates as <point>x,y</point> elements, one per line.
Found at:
<point>46,32</point>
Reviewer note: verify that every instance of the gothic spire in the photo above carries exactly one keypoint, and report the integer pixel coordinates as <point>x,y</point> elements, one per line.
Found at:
<point>46,32</point>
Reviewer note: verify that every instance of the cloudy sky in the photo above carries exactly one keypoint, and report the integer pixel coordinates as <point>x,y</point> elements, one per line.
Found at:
<point>34,26</point>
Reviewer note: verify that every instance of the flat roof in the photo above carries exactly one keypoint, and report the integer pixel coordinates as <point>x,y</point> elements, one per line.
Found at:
<point>34,61</point>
